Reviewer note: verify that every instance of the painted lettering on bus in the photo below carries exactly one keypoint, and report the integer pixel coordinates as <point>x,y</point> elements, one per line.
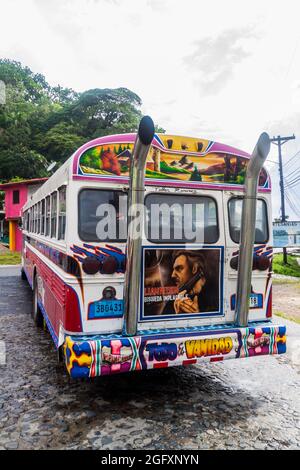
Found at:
<point>208,347</point>
<point>162,352</point>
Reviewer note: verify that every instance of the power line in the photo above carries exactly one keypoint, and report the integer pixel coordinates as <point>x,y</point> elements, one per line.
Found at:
<point>291,202</point>
<point>293,195</point>
<point>292,158</point>
<point>293,183</point>
<point>292,205</point>
<point>292,172</point>
<point>292,178</point>
<point>295,175</point>
<point>290,198</point>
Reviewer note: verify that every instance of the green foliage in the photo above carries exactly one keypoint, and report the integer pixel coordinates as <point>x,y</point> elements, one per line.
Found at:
<point>165,168</point>
<point>100,112</point>
<point>157,175</point>
<point>40,124</point>
<point>22,162</point>
<point>2,198</point>
<point>290,269</point>
<point>59,142</point>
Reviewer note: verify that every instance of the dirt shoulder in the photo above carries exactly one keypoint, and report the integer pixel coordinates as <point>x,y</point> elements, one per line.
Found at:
<point>286,299</point>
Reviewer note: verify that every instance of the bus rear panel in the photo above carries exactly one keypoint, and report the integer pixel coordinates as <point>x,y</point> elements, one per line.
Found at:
<point>75,256</point>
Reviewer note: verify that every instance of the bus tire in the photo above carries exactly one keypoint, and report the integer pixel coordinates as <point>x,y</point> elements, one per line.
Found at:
<point>60,356</point>
<point>36,311</point>
<point>23,275</point>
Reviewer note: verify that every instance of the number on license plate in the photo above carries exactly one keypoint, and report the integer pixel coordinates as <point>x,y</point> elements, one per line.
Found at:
<point>253,301</point>
<point>109,306</point>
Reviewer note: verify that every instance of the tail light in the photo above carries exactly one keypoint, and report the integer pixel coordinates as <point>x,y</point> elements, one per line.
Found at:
<point>269,305</point>
<point>72,313</point>
<point>91,265</point>
<point>109,266</point>
<point>234,262</point>
<point>262,263</point>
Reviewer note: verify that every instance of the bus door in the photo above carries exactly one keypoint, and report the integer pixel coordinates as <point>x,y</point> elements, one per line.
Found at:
<point>260,297</point>
<point>182,260</point>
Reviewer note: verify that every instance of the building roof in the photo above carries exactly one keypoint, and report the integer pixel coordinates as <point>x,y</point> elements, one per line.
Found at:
<point>26,182</point>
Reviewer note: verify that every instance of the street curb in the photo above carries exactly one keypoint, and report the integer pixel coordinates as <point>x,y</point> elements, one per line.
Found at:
<point>10,266</point>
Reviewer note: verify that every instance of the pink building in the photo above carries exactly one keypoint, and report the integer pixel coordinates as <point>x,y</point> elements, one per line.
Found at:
<point>16,195</point>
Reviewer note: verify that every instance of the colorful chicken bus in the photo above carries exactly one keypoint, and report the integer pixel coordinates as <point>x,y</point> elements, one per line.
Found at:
<point>150,250</point>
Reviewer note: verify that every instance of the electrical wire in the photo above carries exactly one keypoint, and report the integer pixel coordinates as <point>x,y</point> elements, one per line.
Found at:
<point>292,173</point>
<point>292,158</point>
<point>292,206</point>
<point>292,183</point>
<point>290,198</point>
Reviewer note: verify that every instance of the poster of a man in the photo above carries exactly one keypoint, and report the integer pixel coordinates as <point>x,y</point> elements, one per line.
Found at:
<point>180,282</point>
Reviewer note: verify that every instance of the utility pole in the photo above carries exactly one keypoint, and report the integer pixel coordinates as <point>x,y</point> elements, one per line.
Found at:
<point>279,141</point>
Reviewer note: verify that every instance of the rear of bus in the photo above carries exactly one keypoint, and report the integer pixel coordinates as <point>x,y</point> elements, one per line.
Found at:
<point>168,297</point>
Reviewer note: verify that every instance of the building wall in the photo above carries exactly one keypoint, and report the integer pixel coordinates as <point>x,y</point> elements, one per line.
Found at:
<point>14,210</point>
<point>18,239</point>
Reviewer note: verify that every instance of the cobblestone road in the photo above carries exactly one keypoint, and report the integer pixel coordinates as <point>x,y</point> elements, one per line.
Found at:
<point>245,404</point>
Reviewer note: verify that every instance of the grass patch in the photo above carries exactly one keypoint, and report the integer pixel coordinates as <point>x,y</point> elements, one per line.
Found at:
<point>290,269</point>
<point>281,281</point>
<point>278,313</point>
<point>10,257</point>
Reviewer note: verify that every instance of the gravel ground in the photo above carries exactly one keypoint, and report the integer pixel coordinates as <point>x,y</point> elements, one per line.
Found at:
<point>286,298</point>
<point>244,404</point>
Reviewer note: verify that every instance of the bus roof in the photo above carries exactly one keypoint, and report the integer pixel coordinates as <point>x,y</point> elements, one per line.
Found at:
<point>173,161</point>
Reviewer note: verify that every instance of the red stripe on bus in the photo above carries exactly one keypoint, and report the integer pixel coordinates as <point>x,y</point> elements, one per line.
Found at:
<point>160,365</point>
<point>215,359</point>
<point>189,361</point>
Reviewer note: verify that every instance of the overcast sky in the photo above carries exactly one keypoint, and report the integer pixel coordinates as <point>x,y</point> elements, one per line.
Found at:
<point>222,70</point>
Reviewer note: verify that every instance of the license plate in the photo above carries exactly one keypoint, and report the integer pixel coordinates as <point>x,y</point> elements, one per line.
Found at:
<point>106,309</point>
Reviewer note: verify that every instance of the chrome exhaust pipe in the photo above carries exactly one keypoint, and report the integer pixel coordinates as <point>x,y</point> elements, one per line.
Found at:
<point>247,235</point>
<point>134,239</point>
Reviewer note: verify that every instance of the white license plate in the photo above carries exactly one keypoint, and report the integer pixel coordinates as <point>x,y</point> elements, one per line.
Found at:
<point>253,302</point>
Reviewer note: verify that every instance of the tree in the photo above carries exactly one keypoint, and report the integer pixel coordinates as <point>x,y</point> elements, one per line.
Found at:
<point>27,163</point>
<point>104,111</point>
<point>196,175</point>
<point>59,142</point>
<point>27,102</point>
<point>40,123</point>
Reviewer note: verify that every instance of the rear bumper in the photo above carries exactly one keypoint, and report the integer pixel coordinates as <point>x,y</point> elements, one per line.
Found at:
<point>91,356</point>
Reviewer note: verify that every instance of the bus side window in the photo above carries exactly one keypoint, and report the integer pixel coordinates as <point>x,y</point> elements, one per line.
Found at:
<point>235,206</point>
<point>43,217</point>
<point>53,214</point>
<point>47,232</point>
<point>34,218</point>
<point>61,212</point>
<point>39,217</point>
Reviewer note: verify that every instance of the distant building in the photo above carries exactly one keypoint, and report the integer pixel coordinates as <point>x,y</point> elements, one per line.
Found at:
<point>286,233</point>
<point>16,195</point>
<point>3,227</point>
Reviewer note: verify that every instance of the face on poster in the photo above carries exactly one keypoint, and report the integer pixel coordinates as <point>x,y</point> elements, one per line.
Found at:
<point>181,282</point>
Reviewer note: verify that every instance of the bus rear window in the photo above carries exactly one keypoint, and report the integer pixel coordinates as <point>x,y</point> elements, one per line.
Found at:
<point>179,218</point>
<point>102,215</point>
<point>235,216</point>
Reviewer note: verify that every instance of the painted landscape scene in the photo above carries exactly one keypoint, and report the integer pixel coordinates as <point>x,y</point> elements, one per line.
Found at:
<point>213,167</point>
